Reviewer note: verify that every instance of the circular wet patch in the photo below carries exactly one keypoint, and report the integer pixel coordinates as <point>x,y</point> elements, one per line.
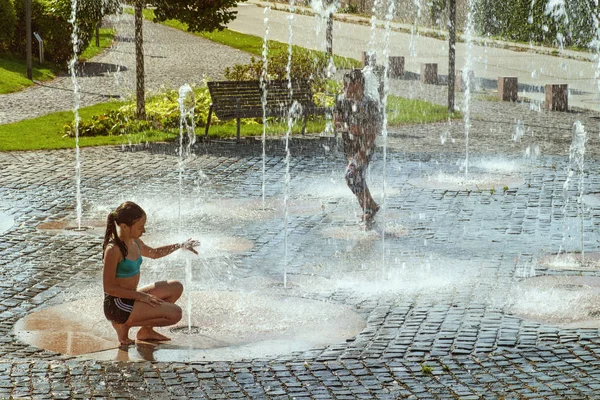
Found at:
<point>211,246</point>
<point>374,232</point>
<point>472,182</point>
<point>592,200</point>
<point>568,301</point>
<point>225,326</point>
<point>88,226</point>
<point>572,261</point>
<point>255,209</point>
<point>6,222</point>
<point>402,275</point>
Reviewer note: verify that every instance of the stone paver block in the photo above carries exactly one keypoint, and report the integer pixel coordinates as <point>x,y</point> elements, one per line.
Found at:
<point>508,88</point>
<point>464,78</point>
<point>369,58</point>
<point>429,74</point>
<point>396,67</point>
<point>557,97</point>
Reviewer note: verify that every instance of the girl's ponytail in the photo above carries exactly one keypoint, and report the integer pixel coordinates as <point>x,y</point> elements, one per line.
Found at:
<point>127,213</point>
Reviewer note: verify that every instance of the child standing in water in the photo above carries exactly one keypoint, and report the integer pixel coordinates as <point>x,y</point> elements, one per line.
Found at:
<point>126,305</point>
<point>358,117</point>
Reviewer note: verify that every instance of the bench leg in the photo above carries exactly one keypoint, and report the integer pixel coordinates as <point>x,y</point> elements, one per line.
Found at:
<point>238,112</point>
<point>208,121</point>
<point>304,121</point>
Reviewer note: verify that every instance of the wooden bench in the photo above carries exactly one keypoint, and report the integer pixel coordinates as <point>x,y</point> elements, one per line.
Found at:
<point>243,99</point>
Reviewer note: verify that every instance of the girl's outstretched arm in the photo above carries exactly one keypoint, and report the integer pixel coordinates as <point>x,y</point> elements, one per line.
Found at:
<point>158,252</point>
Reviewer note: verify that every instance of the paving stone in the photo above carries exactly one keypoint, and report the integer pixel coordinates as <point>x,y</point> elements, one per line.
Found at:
<point>475,348</point>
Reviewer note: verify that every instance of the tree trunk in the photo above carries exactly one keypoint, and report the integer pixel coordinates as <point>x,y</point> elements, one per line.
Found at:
<point>139,62</point>
<point>28,36</point>
<point>451,53</point>
<point>329,35</point>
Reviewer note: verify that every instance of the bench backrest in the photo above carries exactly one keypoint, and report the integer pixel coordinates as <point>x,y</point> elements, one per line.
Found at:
<point>226,95</point>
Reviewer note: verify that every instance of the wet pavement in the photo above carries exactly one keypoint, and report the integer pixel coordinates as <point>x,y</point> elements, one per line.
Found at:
<point>438,282</point>
<point>442,282</point>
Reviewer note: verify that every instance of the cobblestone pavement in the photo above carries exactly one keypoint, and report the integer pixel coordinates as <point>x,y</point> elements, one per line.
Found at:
<point>437,291</point>
<point>443,328</point>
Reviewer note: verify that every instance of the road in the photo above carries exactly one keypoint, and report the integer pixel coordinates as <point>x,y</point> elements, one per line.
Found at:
<point>533,70</point>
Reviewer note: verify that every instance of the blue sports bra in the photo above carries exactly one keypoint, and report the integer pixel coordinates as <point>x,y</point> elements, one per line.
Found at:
<point>127,268</point>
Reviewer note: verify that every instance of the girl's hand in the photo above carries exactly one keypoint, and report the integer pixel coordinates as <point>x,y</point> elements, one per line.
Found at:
<point>149,299</point>
<point>190,244</point>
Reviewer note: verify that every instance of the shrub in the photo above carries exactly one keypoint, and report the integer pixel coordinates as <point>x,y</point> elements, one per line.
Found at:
<point>350,9</point>
<point>8,22</point>
<point>305,64</point>
<point>541,21</point>
<point>50,18</point>
<point>162,113</point>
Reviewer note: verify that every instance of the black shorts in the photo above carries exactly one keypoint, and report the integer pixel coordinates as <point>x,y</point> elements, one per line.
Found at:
<point>117,309</point>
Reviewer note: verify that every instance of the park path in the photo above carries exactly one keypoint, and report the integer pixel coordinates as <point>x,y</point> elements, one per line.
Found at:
<point>172,58</point>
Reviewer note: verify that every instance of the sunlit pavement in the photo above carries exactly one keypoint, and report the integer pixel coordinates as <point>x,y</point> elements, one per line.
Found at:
<point>452,284</point>
<point>439,282</point>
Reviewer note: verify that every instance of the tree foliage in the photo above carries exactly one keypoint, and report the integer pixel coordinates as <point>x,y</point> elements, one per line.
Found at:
<point>8,21</point>
<point>563,22</point>
<point>199,15</point>
<point>50,18</point>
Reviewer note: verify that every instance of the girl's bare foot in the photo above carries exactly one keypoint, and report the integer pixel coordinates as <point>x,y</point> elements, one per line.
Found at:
<point>148,333</point>
<point>123,334</point>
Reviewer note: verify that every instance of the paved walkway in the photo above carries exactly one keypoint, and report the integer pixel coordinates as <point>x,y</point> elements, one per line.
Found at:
<point>441,325</point>
<point>442,293</point>
<point>172,57</point>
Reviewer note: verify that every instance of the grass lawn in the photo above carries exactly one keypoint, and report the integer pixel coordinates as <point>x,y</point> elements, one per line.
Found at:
<point>401,111</point>
<point>13,71</point>
<point>46,132</point>
<point>107,37</point>
<point>13,74</point>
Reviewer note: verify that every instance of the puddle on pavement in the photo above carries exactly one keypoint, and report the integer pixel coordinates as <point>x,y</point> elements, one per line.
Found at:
<point>474,182</point>
<point>589,261</point>
<point>6,222</point>
<point>95,227</point>
<point>568,301</point>
<point>227,326</point>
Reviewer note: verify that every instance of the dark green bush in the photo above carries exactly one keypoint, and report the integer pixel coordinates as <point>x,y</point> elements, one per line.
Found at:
<point>8,22</point>
<point>50,18</point>
<point>350,9</point>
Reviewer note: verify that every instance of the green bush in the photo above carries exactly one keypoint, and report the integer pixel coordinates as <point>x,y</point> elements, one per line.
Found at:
<point>162,113</point>
<point>541,21</point>
<point>8,22</point>
<point>350,9</point>
<point>50,18</point>
<point>305,64</point>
